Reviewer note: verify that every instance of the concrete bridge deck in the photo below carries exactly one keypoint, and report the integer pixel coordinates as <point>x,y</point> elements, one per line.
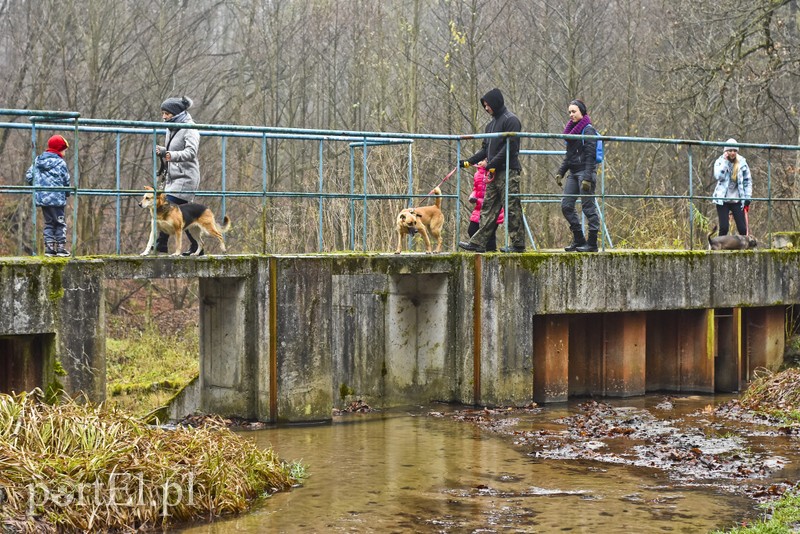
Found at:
<point>288,338</point>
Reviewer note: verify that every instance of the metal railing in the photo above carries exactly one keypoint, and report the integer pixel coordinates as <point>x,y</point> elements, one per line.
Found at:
<point>58,121</point>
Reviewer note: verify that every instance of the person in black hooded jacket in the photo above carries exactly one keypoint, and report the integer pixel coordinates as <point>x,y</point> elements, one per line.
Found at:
<point>493,151</point>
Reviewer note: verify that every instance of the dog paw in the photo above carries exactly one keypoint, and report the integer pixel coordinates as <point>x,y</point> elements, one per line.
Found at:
<point>397,252</point>
<point>145,253</point>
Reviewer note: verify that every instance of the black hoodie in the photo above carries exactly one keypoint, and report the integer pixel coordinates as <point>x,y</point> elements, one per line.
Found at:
<point>494,149</point>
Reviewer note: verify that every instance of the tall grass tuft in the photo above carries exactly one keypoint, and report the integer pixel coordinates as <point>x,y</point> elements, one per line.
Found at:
<point>78,467</point>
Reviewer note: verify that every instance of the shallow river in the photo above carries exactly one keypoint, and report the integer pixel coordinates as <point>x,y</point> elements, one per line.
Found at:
<point>404,471</point>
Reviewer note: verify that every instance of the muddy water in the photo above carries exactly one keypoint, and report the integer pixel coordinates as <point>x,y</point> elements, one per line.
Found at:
<point>408,471</point>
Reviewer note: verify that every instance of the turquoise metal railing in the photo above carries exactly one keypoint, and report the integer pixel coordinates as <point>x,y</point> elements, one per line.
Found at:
<point>40,120</point>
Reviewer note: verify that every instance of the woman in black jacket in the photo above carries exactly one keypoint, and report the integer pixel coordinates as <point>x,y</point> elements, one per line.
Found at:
<point>581,163</point>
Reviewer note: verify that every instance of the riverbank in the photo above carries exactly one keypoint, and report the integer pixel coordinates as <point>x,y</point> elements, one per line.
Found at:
<point>76,467</point>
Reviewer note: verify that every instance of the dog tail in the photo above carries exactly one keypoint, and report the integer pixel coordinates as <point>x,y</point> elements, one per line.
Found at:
<point>226,224</point>
<point>713,231</point>
<point>438,192</point>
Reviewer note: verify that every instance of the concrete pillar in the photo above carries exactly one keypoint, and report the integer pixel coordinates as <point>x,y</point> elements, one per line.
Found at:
<point>226,360</point>
<point>81,330</point>
<point>506,327</point>
<point>416,339</point>
<point>359,320</point>
<point>625,344</point>
<point>304,377</point>
<point>728,355</point>
<point>764,331</point>
<point>680,352</point>
<point>551,350</point>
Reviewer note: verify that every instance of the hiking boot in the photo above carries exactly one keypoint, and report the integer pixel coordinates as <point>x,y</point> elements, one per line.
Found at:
<point>61,250</point>
<point>591,243</point>
<point>50,249</point>
<point>512,249</point>
<point>466,245</point>
<point>577,241</point>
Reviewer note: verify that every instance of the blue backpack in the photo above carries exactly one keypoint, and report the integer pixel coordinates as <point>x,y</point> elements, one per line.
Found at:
<point>598,156</point>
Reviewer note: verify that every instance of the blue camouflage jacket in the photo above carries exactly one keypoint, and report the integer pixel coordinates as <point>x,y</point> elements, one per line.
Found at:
<point>49,170</point>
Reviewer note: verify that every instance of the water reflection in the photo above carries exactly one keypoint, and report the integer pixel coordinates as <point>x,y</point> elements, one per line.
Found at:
<point>403,472</point>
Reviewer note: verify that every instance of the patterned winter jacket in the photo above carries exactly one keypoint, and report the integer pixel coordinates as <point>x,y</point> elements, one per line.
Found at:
<point>723,169</point>
<point>49,170</point>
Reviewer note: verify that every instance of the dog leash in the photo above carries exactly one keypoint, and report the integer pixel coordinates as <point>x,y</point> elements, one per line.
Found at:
<point>747,219</point>
<point>449,174</point>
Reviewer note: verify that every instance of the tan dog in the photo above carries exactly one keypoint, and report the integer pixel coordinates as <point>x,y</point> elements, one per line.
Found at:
<point>730,242</point>
<point>427,220</point>
<point>173,220</point>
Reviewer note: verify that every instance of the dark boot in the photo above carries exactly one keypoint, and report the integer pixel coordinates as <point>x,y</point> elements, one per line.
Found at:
<point>161,242</point>
<point>591,243</point>
<point>50,249</point>
<point>61,250</point>
<point>577,241</point>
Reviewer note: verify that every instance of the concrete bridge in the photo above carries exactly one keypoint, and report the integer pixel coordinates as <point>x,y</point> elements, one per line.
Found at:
<point>288,338</point>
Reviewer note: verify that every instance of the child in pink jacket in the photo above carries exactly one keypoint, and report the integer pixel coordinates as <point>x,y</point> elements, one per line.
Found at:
<point>476,197</point>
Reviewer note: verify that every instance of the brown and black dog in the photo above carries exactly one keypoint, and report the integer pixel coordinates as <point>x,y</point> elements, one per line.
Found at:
<point>427,220</point>
<point>173,220</point>
<point>730,242</point>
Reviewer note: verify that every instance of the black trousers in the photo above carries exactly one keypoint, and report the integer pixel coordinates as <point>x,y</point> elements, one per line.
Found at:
<point>738,217</point>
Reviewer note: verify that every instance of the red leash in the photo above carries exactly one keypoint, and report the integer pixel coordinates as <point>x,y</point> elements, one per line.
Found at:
<point>747,219</point>
<point>451,173</point>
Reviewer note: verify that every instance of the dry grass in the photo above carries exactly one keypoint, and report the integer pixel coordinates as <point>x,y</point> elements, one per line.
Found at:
<point>78,467</point>
<point>776,394</point>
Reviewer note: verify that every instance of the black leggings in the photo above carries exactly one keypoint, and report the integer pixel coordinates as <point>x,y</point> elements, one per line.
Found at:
<point>738,216</point>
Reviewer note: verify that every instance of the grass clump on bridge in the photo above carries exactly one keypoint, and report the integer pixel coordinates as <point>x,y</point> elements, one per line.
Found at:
<point>75,467</point>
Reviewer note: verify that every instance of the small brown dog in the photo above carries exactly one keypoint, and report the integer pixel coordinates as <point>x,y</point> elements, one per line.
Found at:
<point>730,242</point>
<point>427,220</point>
<point>173,220</point>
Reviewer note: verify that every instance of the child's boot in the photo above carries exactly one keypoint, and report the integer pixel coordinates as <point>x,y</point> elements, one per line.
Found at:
<point>50,249</point>
<point>61,250</point>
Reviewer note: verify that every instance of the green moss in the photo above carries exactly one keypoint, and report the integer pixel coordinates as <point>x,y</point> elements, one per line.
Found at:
<point>345,391</point>
<point>56,285</point>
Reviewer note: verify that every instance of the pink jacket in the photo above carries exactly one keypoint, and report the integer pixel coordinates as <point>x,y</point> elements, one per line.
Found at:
<point>478,189</point>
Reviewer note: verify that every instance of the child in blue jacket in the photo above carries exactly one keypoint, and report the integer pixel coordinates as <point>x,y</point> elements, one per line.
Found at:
<point>50,170</point>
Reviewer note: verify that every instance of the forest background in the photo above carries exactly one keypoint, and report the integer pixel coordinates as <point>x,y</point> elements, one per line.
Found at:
<point>677,69</point>
<point>690,69</point>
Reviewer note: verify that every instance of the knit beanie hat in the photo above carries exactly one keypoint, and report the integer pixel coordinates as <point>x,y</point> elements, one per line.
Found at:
<point>57,143</point>
<point>176,105</point>
<point>728,144</point>
<point>580,104</point>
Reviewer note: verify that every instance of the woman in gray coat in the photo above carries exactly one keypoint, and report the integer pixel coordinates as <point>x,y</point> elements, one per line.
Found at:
<point>180,167</point>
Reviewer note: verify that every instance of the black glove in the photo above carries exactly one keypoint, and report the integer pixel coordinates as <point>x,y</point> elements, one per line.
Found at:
<point>560,180</point>
<point>463,163</point>
<point>746,202</point>
<point>161,151</point>
<point>586,186</point>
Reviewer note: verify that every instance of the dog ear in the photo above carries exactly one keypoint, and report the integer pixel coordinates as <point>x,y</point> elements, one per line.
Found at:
<point>148,188</point>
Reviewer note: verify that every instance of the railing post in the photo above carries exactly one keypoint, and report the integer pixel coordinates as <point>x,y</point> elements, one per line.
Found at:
<point>352,232</point>
<point>321,191</point>
<point>364,222</point>
<point>769,196</point>
<point>691,201</point>
<point>118,224</point>
<point>75,184</point>
<point>264,193</point>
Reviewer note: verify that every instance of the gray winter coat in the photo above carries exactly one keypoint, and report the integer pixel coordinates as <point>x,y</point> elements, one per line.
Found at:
<point>183,169</point>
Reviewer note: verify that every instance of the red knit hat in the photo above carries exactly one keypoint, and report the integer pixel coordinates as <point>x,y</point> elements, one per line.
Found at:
<point>57,143</point>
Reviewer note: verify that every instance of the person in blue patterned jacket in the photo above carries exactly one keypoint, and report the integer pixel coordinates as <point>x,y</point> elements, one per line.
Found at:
<point>50,170</point>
